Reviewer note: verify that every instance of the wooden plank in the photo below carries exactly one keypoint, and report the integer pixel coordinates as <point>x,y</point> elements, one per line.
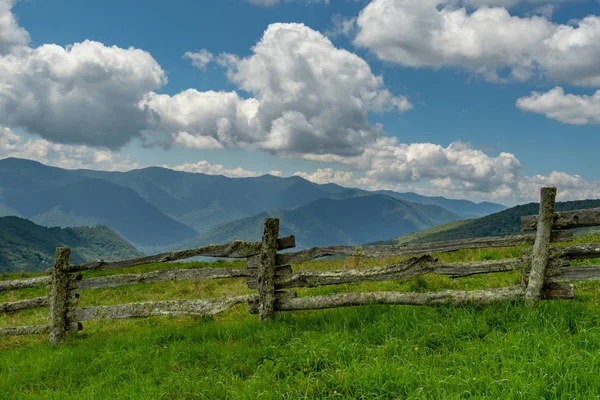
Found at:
<point>37,302</point>
<point>204,307</point>
<point>454,297</point>
<point>460,270</point>
<point>572,274</point>
<point>403,270</point>
<point>25,330</point>
<point>25,283</point>
<point>236,249</point>
<point>566,219</point>
<point>160,276</point>
<point>580,251</point>
<point>35,329</point>
<point>408,250</point>
<point>266,270</point>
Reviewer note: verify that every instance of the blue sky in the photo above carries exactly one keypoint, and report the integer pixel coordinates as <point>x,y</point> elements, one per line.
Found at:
<point>478,99</point>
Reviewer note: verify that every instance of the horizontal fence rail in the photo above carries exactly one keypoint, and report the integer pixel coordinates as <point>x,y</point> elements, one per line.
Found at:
<point>273,274</point>
<point>237,249</point>
<point>412,268</point>
<point>27,304</point>
<point>409,250</point>
<point>453,297</point>
<point>160,276</point>
<point>25,283</point>
<point>203,307</point>
<point>566,219</point>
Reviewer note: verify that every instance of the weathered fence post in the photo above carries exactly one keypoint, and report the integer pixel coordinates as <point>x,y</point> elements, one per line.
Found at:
<point>58,301</point>
<point>541,248</point>
<point>266,270</point>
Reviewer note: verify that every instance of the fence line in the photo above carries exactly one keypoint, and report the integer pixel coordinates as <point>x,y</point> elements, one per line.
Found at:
<point>543,268</point>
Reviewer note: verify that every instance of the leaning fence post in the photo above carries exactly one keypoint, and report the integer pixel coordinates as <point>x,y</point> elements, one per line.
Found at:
<point>541,248</point>
<point>58,301</point>
<point>266,270</point>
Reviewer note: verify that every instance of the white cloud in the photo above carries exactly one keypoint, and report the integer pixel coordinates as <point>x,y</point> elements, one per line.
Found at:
<point>341,26</point>
<point>435,33</point>
<point>387,162</point>
<point>328,175</point>
<point>568,108</point>
<point>309,97</point>
<point>570,186</point>
<point>61,155</point>
<point>456,170</point>
<point>12,36</point>
<point>86,93</point>
<point>204,167</point>
<point>205,119</point>
<point>573,53</point>
<point>200,59</point>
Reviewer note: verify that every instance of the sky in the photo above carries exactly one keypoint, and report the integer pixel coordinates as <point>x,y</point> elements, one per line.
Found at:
<point>486,100</point>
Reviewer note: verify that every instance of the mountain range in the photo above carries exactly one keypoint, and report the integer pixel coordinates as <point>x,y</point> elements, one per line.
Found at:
<point>25,246</point>
<point>504,223</point>
<point>157,208</point>
<point>351,221</point>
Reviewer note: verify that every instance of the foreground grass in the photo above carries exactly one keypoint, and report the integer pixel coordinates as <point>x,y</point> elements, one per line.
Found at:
<point>498,351</point>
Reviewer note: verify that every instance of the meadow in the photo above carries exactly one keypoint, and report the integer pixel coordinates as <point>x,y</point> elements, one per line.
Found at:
<point>372,352</point>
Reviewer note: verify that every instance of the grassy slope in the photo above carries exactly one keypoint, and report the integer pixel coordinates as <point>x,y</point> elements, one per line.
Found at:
<point>499,351</point>
<point>507,222</point>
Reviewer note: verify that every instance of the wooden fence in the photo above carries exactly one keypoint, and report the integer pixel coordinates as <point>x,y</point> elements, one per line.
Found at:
<point>544,269</point>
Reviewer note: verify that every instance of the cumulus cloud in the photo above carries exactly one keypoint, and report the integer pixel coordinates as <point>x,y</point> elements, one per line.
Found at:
<point>328,175</point>
<point>204,167</point>
<point>200,59</point>
<point>568,108</point>
<point>309,97</point>
<point>436,33</point>
<point>86,93</point>
<point>455,169</point>
<point>570,186</point>
<point>12,36</point>
<point>61,155</point>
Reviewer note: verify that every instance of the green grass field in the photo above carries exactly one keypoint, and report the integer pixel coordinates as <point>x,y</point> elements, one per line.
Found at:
<point>390,352</point>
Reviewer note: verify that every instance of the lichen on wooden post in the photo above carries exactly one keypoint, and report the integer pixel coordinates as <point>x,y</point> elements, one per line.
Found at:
<point>266,270</point>
<point>541,248</point>
<point>58,296</point>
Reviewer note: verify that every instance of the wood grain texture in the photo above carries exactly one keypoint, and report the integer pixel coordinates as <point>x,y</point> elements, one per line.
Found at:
<point>160,276</point>
<point>59,296</point>
<point>236,249</point>
<point>204,307</point>
<point>266,270</point>
<point>37,302</point>
<point>25,330</point>
<point>541,248</point>
<point>25,283</point>
<point>408,250</point>
<point>407,269</point>
<point>566,219</point>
